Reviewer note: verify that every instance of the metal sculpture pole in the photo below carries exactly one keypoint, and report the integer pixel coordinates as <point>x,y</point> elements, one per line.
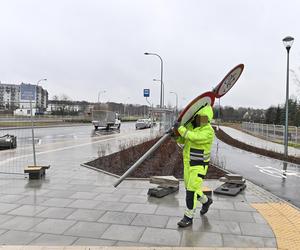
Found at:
<point>140,161</point>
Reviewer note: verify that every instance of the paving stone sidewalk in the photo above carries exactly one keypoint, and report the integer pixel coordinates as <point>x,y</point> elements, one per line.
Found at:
<point>76,206</point>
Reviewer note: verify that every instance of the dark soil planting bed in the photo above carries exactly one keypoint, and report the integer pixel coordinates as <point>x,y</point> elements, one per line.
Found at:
<point>167,160</point>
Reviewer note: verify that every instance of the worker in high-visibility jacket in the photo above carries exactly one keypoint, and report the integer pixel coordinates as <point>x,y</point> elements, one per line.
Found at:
<point>197,137</point>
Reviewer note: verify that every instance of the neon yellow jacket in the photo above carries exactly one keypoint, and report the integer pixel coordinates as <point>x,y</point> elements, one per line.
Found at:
<point>197,145</point>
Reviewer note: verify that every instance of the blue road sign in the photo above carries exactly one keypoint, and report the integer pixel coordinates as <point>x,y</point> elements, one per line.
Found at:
<point>146,92</point>
<point>28,91</point>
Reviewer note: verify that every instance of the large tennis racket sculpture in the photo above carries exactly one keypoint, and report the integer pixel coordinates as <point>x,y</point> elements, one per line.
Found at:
<point>190,110</point>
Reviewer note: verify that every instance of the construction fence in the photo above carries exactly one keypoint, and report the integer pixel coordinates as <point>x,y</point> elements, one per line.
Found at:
<point>272,132</point>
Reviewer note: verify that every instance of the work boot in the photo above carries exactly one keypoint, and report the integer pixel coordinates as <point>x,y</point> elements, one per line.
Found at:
<point>185,222</point>
<point>205,206</point>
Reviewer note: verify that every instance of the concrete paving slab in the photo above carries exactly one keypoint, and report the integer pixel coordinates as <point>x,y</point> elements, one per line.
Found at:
<point>27,210</point>
<point>237,216</point>
<point>85,215</point>
<point>83,195</point>
<point>31,200</point>
<point>56,202</point>
<point>253,229</point>
<point>6,207</point>
<point>11,197</point>
<point>242,241</point>
<point>162,237</point>
<point>270,242</point>
<point>87,229</point>
<point>169,211</point>
<point>123,233</point>
<point>225,227</point>
<point>111,206</point>
<point>60,193</point>
<point>11,190</point>
<point>190,239</point>
<point>56,212</point>
<point>53,226</point>
<point>93,242</point>
<point>212,213</point>
<point>5,217</point>
<point>243,206</point>
<point>126,191</point>
<point>141,208</point>
<point>107,189</point>
<point>2,231</point>
<point>51,239</point>
<point>117,218</point>
<point>14,237</point>
<point>81,188</point>
<point>149,220</point>
<point>224,205</point>
<point>21,223</point>
<point>109,197</point>
<point>88,204</point>
<point>135,198</point>
<point>258,218</point>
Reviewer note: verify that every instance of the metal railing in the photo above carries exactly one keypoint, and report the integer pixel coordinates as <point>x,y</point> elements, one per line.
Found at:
<point>272,132</point>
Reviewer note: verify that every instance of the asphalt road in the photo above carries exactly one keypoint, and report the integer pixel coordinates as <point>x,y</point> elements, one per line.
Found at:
<point>279,178</point>
<point>54,145</point>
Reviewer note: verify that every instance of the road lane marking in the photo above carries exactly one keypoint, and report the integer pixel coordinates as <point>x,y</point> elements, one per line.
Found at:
<point>278,173</point>
<point>66,148</point>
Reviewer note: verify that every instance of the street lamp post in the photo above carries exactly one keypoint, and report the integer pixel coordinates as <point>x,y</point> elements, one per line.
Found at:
<point>161,77</point>
<point>37,85</point>
<point>163,87</point>
<point>288,42</point>
<point>172,92</point>
<point>32,123</point>
<point>100,92</point>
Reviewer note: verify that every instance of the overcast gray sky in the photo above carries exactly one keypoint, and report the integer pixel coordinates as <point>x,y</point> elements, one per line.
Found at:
<point>86,46</point>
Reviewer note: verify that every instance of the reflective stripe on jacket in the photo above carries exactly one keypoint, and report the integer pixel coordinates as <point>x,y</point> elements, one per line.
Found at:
<point>197,145</point>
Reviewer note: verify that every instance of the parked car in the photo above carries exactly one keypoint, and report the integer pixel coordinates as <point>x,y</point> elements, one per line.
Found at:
<point>8,141</point>
<point>143,123</point>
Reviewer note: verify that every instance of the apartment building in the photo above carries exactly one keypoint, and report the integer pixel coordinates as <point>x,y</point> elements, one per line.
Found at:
<point>10,98</point>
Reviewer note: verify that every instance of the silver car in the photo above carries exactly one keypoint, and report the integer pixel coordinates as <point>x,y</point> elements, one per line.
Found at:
<point>143,123</point>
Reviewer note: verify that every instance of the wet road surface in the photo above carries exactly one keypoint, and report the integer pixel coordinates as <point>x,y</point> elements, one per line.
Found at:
<point>279,178</point>
<point>54,145</point>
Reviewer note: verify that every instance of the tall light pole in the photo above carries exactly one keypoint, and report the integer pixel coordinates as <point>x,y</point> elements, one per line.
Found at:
<point>172,92</point>
<point>161,77</point>
<point>288,42</point>
<point>32,123</point>
<point>100,92</point>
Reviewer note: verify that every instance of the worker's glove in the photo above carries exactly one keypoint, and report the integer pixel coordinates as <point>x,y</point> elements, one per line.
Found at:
<point>174,130</point>
<point>176,125</point>
<point>170,132</point>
